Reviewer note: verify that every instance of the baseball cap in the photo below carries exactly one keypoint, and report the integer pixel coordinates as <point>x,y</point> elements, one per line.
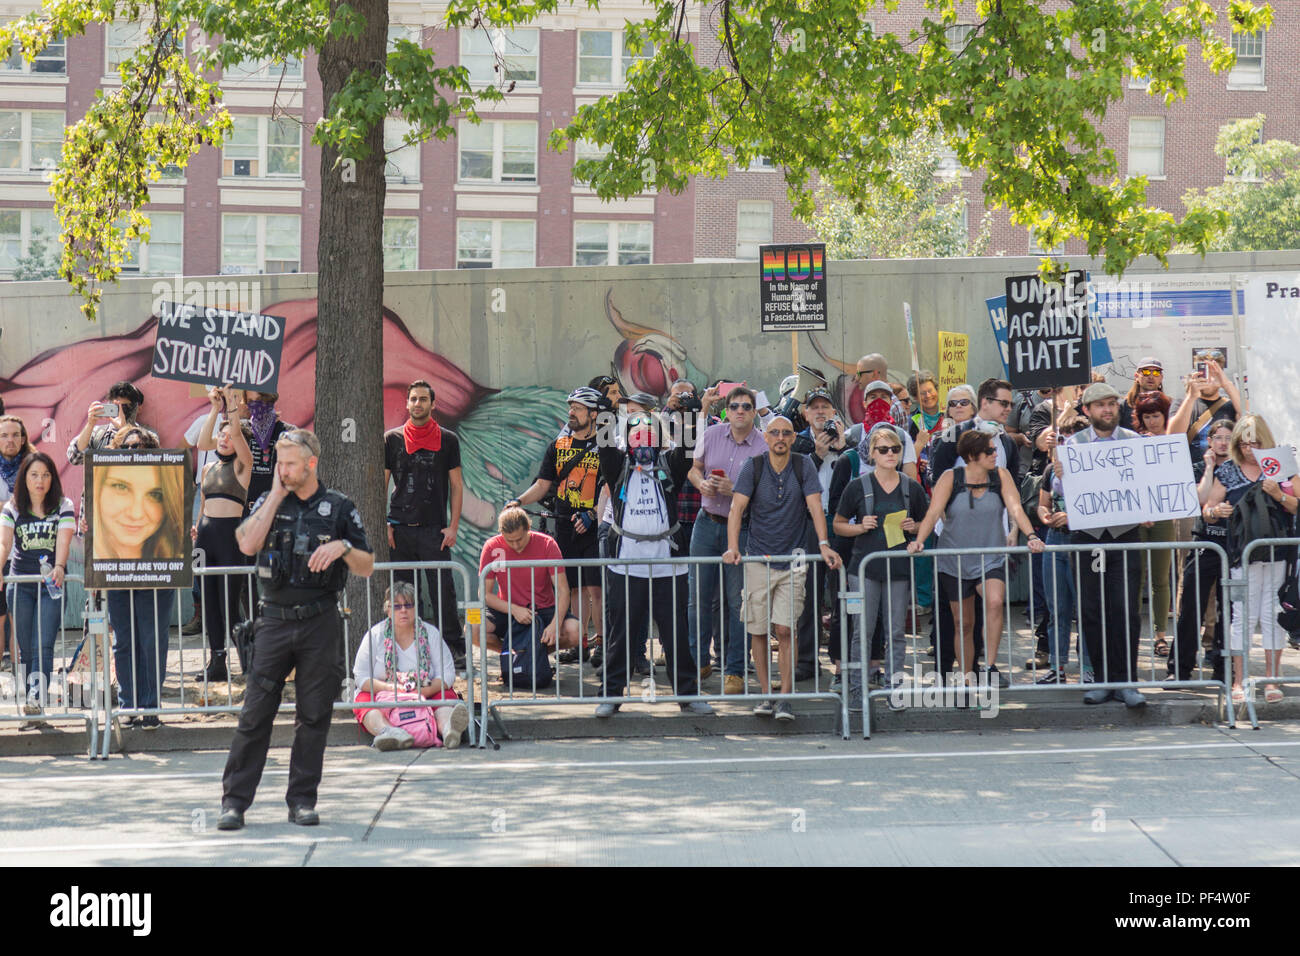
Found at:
<point>1096,392</point>
<point>877,385</point>
<point>816,393</point>
<point>1151,362</point>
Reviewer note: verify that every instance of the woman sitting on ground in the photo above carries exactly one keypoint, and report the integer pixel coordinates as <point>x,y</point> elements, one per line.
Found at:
<point>393,657</point>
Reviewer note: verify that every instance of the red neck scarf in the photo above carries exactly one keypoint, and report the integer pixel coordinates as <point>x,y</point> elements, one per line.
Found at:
<point>428,436</point>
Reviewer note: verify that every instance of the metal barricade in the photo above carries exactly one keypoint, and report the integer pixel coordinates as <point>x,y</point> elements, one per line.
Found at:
<point>637,606</point>
<point>137,613</point>
<point>863,600</point>
<point>42,659</point>
<point>1264,577</point>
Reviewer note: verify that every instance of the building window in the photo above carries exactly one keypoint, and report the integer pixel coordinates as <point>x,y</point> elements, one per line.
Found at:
<point>1249,68</point>
<point>957,36</point>
<point>121,40</point>
<point>401,162</point>
<point>403,31</point>
<point>496,152</point>
<point>516,50</point>
<point>1146,146</point>
<point>585,149</point>
<point>19,228</point>
<point>612,243</point>
<point>401,251</point>
<point>162,254</point>
<point>753,227</point>
<point>606,56</point>
<point>265,70</point>
<point>30,139</point>
<point>251,244</point>
<point>52,61</point>
<point>1037,250</point>
<point>260,147</point>
<point>495,243</point>
<point>1248,172</point>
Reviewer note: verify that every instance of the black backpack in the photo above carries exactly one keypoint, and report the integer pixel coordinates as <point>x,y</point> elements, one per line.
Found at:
<point>1254,518</point>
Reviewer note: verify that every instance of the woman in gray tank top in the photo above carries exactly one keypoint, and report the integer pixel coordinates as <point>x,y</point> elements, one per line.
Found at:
<point>972,518</point>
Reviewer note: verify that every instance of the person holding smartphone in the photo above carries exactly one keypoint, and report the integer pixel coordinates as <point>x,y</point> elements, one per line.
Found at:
<point>721,453</point>
<point>105,419</point>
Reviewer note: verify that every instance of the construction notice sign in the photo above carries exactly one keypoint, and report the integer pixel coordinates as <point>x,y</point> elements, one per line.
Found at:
<point>792,287</point>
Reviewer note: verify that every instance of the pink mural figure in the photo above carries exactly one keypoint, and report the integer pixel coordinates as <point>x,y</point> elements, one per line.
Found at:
<point>648,360</point>
<point>502,431</point>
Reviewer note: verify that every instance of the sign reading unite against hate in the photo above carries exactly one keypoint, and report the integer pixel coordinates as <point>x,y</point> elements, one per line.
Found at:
<point>217,346</point>
<point>1047,331</point>
<point>1112,483</point>
<point>792,288</point>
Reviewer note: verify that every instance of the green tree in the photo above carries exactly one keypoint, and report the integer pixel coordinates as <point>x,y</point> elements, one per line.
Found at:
<point>807,84</point>
<point>927,218</point>
<point>40,261</point>
<point>1260,194</point>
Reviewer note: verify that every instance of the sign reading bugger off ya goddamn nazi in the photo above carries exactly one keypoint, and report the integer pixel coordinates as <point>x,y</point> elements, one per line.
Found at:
<point>1110,483</point>
<point>218,347</point>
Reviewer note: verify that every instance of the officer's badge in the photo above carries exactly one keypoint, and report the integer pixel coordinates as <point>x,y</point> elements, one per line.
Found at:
<point>324,509</point>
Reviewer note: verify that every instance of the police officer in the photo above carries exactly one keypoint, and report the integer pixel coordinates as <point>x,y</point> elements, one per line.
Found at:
<point>306,538</point>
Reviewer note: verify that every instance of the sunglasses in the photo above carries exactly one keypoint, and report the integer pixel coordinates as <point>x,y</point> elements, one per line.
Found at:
<point>959,402</point>
<point>780,432</point>
<point>888,449</point>
<point>1150,371</point>
<point>1002,401</point>
<point>869,373</point>
<point>403,607</point>
<point>741,406</point>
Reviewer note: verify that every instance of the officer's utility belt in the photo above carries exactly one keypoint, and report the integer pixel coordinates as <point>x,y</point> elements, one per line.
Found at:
<point>295,612</point>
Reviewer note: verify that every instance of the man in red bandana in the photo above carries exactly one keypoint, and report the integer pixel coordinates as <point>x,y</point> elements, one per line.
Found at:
<point>423,461</point>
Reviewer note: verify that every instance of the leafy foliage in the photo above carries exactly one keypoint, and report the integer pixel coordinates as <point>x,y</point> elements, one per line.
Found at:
<point>1260,194</point>
<point>923,219</point>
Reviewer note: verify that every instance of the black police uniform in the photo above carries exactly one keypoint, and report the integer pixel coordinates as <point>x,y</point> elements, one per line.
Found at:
<point>298,626</point>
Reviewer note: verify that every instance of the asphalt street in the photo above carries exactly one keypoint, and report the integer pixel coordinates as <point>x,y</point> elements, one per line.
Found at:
<point>1196,795</point>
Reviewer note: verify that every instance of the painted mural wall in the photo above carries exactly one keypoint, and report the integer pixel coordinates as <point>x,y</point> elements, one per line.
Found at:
<point>504,347</point>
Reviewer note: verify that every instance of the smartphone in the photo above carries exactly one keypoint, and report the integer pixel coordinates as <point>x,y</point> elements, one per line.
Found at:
<point>724,388</point>
<point>1202,370</point>
<point>718,473</point>
<point>106,410</point>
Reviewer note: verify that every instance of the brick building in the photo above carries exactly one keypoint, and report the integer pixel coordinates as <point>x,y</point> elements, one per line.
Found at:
<point>494,195</point>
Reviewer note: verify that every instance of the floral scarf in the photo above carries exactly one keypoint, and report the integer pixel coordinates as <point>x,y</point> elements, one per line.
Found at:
<point>423,669</point>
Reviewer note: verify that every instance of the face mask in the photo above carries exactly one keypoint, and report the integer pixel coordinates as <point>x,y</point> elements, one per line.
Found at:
<point>876,411</point>
<point>643,456</point>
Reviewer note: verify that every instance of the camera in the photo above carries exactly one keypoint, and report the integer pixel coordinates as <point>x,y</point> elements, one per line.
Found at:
<point>689,403</point>
<point>829,429</point>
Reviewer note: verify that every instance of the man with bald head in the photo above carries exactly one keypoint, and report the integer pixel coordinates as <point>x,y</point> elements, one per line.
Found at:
<point>782,493</point>
<point>872,368</point>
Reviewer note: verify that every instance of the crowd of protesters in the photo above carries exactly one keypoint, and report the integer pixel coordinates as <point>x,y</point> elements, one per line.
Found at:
<point>778,496</point>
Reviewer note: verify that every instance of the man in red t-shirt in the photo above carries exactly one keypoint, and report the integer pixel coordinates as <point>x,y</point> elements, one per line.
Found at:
<point>523,600</point>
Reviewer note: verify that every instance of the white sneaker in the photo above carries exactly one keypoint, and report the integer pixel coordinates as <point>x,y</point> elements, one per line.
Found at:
<point>459,721</point>
<point>393,738</point>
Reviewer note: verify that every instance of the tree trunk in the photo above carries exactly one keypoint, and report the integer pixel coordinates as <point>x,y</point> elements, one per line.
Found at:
<point>350,298</point>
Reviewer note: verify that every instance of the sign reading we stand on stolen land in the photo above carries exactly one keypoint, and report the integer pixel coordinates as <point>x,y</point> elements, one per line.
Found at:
<point>1109,483</point>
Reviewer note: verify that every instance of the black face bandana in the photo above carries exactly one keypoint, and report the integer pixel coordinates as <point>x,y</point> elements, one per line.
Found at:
<point>643,456</point>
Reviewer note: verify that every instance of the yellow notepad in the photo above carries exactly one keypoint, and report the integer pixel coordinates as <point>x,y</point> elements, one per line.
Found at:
<point>894,528</point>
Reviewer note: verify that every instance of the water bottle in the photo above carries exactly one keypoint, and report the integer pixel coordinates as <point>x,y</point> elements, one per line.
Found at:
<point>47,572</point>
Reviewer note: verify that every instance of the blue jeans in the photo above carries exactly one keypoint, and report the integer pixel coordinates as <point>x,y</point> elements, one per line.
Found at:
<point>709,539</point>
<point>140,657</point>
<point>1058,589</point>
<point>34,613</point>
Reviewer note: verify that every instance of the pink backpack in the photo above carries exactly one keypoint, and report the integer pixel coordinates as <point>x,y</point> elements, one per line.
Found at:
<point>416,721</point>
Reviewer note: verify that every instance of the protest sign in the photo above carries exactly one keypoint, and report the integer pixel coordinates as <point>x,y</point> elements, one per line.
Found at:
<point>792,287</point>
<point>954,348</point>
<point>1098,341</point>
<point>138,506</point>
<point>1127,482</point>
<point>218,346</point>
<point>1047,331</point>
<point>1277,463</point>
